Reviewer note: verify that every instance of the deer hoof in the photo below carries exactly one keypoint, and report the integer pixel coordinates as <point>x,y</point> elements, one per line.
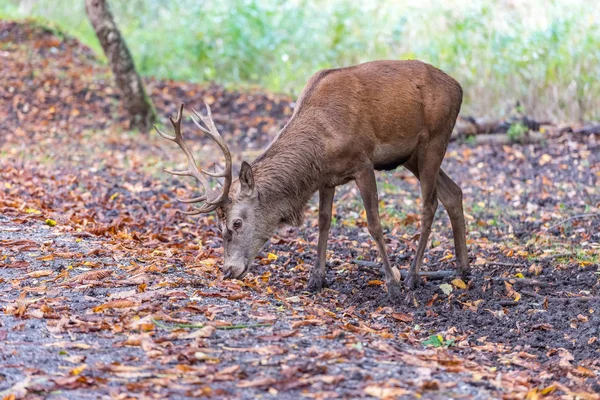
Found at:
<point>394,290</point>
<point>412,281</point>
<point>316,282</point>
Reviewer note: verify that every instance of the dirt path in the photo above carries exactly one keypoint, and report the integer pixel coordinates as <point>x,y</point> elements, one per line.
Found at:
<point>74,335</point>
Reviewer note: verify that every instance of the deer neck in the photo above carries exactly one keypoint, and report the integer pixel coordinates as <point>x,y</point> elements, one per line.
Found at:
<point>287,174</point>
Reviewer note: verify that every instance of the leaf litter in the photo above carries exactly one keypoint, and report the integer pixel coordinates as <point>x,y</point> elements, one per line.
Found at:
<point>105,288</point>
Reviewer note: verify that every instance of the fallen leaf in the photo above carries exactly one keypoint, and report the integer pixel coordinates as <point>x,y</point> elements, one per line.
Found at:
<point>78,370</point>
<point>402,317</point>
<point>307,322</point>
<point>265,350</point>
<point>446,288</point>
<point>115,304</point>
<point>544,159</point>
<point>585,372</point>
<point>459,283</point>
<point>385,393</point>
<point>39,274</point>
<point>565,358</point>
<point>260,382</point>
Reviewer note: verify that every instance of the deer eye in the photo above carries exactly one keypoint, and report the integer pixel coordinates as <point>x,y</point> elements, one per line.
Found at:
<point>237,224</point>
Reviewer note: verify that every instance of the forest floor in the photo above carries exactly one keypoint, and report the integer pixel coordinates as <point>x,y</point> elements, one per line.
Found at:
<point>106,291</point>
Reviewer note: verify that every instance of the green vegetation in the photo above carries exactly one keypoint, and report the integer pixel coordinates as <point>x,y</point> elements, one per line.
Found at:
<point>516,131</point>
<point>542,53</point>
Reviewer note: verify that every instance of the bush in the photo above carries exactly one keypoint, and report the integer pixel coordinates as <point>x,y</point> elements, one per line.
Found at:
<point>541,53</point>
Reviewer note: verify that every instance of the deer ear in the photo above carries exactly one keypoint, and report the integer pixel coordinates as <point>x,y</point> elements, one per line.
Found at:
<point>246,179</point>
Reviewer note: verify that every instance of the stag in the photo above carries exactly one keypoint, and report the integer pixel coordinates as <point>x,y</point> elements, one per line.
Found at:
<point>348,122</point>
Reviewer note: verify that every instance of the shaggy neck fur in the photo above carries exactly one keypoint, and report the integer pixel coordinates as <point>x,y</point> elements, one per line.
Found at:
<point>287,173</point>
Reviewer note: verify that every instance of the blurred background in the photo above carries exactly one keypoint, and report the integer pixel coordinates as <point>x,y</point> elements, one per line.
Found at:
<point>543,54</point>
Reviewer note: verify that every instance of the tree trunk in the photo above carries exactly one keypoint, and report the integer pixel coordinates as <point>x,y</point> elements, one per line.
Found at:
<point>136,102</point>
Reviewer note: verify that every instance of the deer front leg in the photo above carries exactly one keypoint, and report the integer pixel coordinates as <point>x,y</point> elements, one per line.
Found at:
<point>317,277</point>
<point>367,185</point>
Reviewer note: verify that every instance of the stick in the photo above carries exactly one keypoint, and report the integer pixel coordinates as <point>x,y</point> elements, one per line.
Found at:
<point>578,216</point>
<point>162,325</point>
<point>554,256</point>
<point>362,263</point>
<point>84,234</point>
<point>505,264</point>
<point>364,268</point>
<point>433,275</point>
<point>504,139</point>
<point>508,303</point>
<point>560,299</point>
<point>588,130</point>
<point>524,281</point>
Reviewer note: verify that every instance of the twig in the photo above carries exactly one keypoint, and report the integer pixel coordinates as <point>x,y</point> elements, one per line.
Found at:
<point>84,234</point>
<point>504,264</point>
<point>508,303</point>
<point>560,299</point>
<point>433,275</point>
<point>578,216</point>
<point>162,325</point>
<point>554,256</point>
<point>524,281</point>
<point>241,326</point>
<point>588,130</point>
<point>369,270</point>
<point>504,139</point>
<point>369,264</point>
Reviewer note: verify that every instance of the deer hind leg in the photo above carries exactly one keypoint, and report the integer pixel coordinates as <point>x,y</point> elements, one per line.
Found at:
<point>450,194</point>
<point>426,168</point>
<point>367,185</point>
<point>317,276</point>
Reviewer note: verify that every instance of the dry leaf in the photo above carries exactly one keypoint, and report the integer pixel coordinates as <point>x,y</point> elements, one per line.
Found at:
<point>459,283</point>
<point>260,382</point>
<point>115,304</point>
<point>446,288</point>
<point>385,393</point>
<point>402,317</point>
<point>41,273</point>
<point>78,370</point>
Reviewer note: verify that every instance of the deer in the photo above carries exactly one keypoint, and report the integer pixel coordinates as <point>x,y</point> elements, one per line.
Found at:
<point>347,123</point>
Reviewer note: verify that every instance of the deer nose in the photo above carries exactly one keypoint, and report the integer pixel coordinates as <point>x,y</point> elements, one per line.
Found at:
<point>227,274</point>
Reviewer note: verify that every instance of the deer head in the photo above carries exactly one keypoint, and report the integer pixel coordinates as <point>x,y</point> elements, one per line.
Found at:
<point>237,204</point>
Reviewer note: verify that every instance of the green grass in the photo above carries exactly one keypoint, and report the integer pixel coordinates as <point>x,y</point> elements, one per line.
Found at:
<point>541,53</point>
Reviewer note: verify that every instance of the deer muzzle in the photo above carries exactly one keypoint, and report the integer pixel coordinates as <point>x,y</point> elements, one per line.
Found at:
<point>237,270</point>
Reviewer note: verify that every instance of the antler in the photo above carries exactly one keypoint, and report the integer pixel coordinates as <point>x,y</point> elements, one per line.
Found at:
<point>193,170</point>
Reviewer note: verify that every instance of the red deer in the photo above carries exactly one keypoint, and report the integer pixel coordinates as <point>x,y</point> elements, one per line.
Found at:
<point>348,122</point>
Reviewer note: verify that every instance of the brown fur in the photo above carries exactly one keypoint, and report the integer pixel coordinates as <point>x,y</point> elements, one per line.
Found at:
<point>348,122</point>
<point>288,189</point>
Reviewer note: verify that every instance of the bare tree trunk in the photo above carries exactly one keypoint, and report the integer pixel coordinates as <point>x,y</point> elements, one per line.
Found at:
<point>135,100</point>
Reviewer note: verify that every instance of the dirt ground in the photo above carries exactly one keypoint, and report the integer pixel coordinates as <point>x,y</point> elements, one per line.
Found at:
<point>107,292</point>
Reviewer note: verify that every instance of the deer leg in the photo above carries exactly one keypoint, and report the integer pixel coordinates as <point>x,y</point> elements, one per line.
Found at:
<point>451,197</point>
<point>317,276</point>
<point>450,194</point>
<point>428,161</point>
<point>367,185</point>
